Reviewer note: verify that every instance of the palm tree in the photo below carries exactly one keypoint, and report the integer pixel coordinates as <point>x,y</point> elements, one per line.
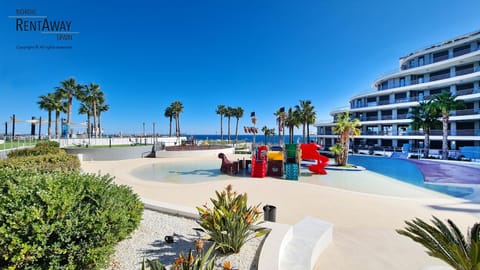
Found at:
<point>101,107</point>
<point>425,117</point>
<point>86,109</point>
<point>228,113</point>
<point>307,116</point>
<point>47,102</point>
<point>446,242</point>
<point>280,114</point>
<point>93,95</point>
<point>237,113</point>
<point>221,111</point>
<point>169,114</point>
<point>59,107</point>
<point>292,121</point>
<point>68,90</point>
<point>445,103</point>
<point>177,109</point>
<point>346,128</point>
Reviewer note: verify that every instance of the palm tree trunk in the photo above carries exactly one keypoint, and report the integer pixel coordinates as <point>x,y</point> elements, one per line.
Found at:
<point>426,144</point>
<point>308,133</point>
<point>49,132</point>
<point>170,130</point>
<point>303,134</point>
<point>57,124</point>
<point>94,107</point>
<point>445,136</point>
<point>228,137</point>
<point>221,127</point>
<point>236,132</point>
<point>69,115</point>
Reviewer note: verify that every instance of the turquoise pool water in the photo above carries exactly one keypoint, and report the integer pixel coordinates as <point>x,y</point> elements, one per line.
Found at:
<point>408,172</point>
<point>190,172</point>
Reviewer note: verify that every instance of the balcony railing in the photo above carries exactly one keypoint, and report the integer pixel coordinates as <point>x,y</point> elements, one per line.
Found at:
<point>387,117</point>
<point>440,77</point>
<point>464,71</point>
<point>461,52</point>
<point>439,132</point>
<point>465,92</point>
<point>402,116</point>
<point>440,58</point>
<point>466,112</point>
<point>383,102</point>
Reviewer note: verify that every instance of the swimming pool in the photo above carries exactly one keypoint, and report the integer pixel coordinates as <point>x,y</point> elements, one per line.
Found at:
<point>191,172</point>
<point>181,172</point>
<point>407,172</point>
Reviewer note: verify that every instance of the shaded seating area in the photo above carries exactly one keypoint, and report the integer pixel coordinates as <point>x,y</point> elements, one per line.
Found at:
<point>228,166</point>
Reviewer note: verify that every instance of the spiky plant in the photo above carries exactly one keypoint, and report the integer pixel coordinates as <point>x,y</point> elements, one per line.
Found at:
<point>446,242</point>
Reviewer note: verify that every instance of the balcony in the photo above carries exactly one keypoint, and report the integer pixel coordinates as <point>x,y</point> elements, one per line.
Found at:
<point>464,71</point>
<point>466,112</point>
<point>461,51</point>
<point>440,77</point>
<point>464,92</point>
<point>387,117</point>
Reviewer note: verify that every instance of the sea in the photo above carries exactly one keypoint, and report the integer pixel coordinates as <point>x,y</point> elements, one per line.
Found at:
<point>259,138</point>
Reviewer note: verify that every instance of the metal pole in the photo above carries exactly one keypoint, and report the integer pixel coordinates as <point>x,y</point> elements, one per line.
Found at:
<point>40,128</point>
<point>13,126</point>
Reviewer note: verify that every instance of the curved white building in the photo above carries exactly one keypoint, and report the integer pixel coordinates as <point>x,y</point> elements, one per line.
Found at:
<point>453,65</point>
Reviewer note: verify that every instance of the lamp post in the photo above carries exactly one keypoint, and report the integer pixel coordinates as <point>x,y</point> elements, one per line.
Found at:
<point>144,138</point>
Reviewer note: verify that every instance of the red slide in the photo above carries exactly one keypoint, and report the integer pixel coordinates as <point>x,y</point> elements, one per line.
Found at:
<point>309,151</point>
<point>259,162</point>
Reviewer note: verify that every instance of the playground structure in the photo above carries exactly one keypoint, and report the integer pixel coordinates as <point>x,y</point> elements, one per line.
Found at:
<point>277,161</point>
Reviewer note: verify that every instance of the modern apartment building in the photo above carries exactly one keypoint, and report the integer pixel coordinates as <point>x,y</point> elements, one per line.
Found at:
<point>453,65</point>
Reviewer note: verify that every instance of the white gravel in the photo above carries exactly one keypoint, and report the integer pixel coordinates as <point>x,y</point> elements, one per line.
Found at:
<point>148,242</point>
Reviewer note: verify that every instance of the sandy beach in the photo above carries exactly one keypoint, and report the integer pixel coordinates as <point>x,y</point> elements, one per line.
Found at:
<point>364,234</point>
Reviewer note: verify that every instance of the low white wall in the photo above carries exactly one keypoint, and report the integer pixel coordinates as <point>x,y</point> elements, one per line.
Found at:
<point>169,141</point>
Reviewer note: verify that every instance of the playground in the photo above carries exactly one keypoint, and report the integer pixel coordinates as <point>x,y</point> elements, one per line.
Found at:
<point>278,161</point>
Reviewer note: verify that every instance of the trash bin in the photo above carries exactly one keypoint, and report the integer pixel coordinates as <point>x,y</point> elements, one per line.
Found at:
<point>269,213</point>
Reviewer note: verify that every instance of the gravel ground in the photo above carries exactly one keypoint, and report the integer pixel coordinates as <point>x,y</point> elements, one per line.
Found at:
<point>148,242</point>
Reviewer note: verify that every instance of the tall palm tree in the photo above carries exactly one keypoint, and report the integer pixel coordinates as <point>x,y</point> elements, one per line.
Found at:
<point>177,109</point>
<point>346,128</point>
<point>101,107</point>
<point>169,114</point>
<point>446,242</point>
<point>221,111</point>
<point>92,94</point>
<point>60,107</point>
<point>445,103</point>
<point>228,113</point>
<point>425,117</point>
<point>47,102</point>
<point>280,114</point>
<point>237,113</point>
<point>307,116</point>
<point>292,121</point>
<point>69,89</point>
<point>87,110</point>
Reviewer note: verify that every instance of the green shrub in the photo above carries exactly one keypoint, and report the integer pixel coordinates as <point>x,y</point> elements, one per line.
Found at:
<point>48,144</point>
<point>35,151</point>
<point>62,220</point>
<point>231,223</point>
<point>53,162</point>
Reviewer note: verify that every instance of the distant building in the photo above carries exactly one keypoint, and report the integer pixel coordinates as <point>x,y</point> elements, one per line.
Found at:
<point>453,65</point>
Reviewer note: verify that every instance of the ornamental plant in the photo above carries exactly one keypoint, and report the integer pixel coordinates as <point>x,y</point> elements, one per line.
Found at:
<point>62,220</point>
<point>230,223</point>
<point>446,242</point>
<point>201,260</point>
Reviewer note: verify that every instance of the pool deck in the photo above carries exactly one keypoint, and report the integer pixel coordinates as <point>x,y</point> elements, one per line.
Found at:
<point>444,172</point>
<point>364,234</point>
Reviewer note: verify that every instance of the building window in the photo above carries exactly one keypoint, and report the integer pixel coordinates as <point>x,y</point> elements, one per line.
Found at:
<point>440,75</point>
<point>440,56</point>
<point>462,70</point>
<point>421,61</point>
<point>461,50</point>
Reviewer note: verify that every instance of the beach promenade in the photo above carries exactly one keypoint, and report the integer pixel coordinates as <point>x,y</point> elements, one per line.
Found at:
<point>364,234</point>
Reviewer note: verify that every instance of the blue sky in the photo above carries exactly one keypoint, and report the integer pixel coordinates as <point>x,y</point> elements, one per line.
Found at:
<point>259,55</point>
